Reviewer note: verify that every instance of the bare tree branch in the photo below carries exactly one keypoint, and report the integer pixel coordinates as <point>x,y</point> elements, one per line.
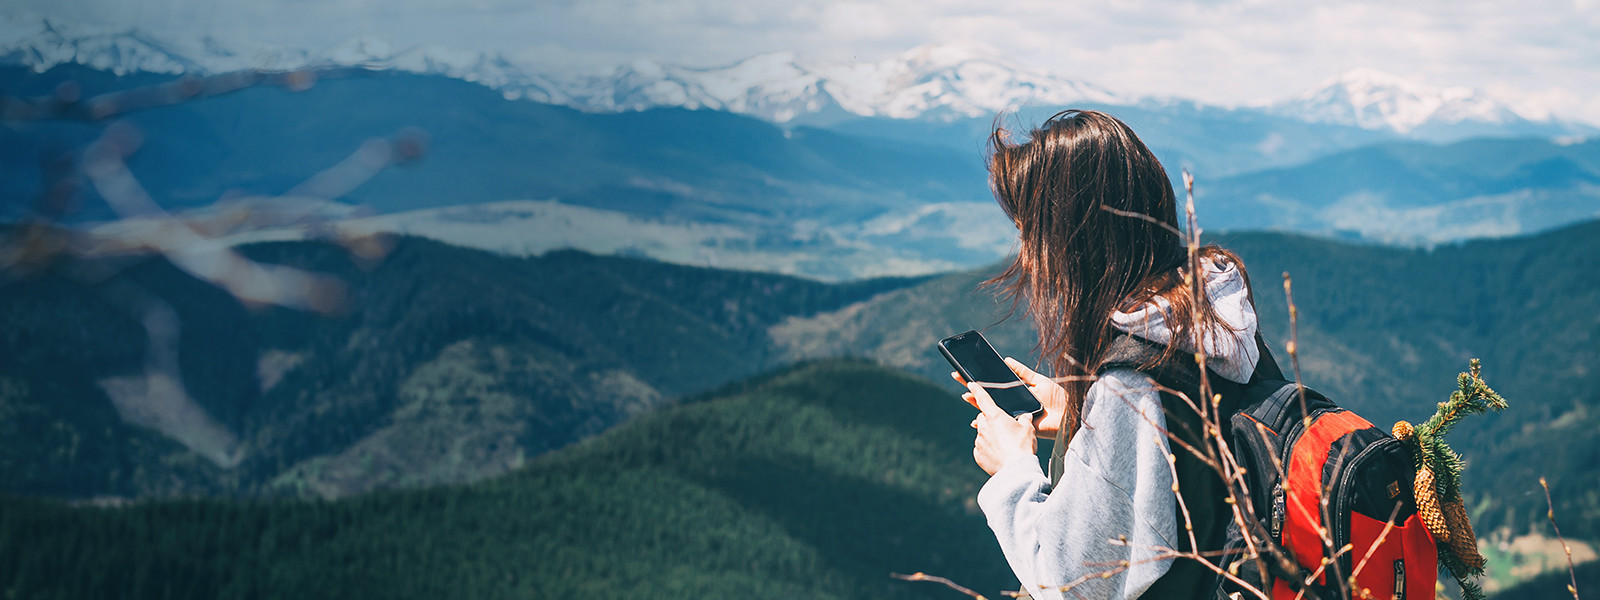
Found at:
<point>920,576</point>
<point>1551,514</point>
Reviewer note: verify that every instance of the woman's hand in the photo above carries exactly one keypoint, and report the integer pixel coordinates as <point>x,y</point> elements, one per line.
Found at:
<point>1047,422</point>
<point>1001,438</point>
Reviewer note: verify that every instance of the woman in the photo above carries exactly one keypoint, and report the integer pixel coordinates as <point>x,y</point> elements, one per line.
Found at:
<point>1100,259</point>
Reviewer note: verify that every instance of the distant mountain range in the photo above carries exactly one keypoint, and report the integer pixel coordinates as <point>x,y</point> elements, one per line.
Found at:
<point>859,198</point>
<point>778,163</point>
<point>1413,193</point>
<point>699,187</point>
<point>939,83</point>
<point>1372,99</point>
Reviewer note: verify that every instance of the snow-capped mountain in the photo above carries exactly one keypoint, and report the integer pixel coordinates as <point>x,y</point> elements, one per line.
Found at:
<point>927,82</point>
<point>1373,99</point>
<point>45,43</point>
<point>939,82</point>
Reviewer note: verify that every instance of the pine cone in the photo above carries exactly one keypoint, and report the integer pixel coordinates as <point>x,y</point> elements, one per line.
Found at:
<point>1402,430</point>
<point>1463,541</point>
<point>1428,506</point>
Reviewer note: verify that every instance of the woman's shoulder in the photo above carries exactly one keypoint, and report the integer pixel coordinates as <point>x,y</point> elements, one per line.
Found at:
<point>1122,383</point>
<point>1121,439</point>
<point>1121,402</point>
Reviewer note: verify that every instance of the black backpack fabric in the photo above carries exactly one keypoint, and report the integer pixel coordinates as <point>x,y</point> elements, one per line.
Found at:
<point>1325,450</point>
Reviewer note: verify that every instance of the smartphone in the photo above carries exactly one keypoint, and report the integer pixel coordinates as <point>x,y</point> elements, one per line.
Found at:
<point>976,360</point>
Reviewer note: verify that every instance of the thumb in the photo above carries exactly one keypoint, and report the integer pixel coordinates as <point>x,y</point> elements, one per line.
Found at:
<point>1023,372</point>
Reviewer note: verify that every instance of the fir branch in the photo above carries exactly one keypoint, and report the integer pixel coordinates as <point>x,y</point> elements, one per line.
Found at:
<point>1472,396</point>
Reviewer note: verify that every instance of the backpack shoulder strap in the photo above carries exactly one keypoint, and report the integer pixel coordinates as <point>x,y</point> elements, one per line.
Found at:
<point>1128,351</point>
<point>1266,366</point>
<point>1201,489</point>
<point>1133,352</point>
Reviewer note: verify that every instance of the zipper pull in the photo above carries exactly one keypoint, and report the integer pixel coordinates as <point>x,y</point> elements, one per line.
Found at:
<point>1278,510</point>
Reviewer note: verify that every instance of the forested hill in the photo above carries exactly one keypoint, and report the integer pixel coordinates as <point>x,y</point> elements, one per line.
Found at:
<point>1382,330</point>
<point>815,482</point>
<point>446,365</point>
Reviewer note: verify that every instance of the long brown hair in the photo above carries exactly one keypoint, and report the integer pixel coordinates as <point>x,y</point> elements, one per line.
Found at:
<point>1098,222</point>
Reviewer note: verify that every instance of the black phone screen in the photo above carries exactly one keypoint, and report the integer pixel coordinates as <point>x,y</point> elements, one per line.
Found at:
<point>976,360</point>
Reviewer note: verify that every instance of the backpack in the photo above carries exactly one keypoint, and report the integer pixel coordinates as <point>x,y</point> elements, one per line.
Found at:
<point>1292,458</point>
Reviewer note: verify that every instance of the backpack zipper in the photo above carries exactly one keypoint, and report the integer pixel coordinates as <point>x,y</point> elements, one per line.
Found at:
<point>1291,436</point>
<point>1338,506</point>
<point>1277,512</point>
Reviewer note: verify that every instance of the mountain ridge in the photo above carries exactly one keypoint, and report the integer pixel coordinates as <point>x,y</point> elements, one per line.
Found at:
<point>861,198</point>
<point>931,82</point>
<point>447,364</point>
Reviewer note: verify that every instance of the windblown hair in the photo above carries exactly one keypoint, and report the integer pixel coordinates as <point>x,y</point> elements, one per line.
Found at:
<point>1099,232</point>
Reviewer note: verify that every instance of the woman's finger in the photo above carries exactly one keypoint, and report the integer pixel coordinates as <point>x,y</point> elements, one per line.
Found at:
<point>985,403</point>
<point>970,400</point>
<point>959,379</point>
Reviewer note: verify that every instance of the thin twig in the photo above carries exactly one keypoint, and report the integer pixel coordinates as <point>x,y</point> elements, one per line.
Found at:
<point>1162,554</point>
<point>1328,521</point>
<point>1294,343</point>
<point>1387,526</point>
<point>1170,435</point>
<point>1551,514</point>
<point>1183,507</point>
<point>920,576</point>
<point>1142,217</point>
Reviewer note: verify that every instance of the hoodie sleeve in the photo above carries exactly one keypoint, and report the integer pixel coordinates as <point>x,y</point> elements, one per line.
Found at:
<point>1116,484</point>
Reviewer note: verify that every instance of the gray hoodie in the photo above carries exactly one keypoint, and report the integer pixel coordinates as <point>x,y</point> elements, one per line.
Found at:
<point>1116,480</point>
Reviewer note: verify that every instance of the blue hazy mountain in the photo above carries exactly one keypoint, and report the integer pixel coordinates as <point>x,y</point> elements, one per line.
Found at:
<point>1209,141</point>
<point>1418,193</point>
<point>908,189</point>
<point>483,147</point>
<point>830,205</point>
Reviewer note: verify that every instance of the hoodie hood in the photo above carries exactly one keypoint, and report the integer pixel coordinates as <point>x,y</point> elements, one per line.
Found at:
<point>1230,351</point>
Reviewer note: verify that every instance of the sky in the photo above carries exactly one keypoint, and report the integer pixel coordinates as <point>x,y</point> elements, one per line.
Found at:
<point>1542,56</point>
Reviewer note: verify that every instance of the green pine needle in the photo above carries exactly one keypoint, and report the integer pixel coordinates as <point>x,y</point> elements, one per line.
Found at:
<point>1472,396</point>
